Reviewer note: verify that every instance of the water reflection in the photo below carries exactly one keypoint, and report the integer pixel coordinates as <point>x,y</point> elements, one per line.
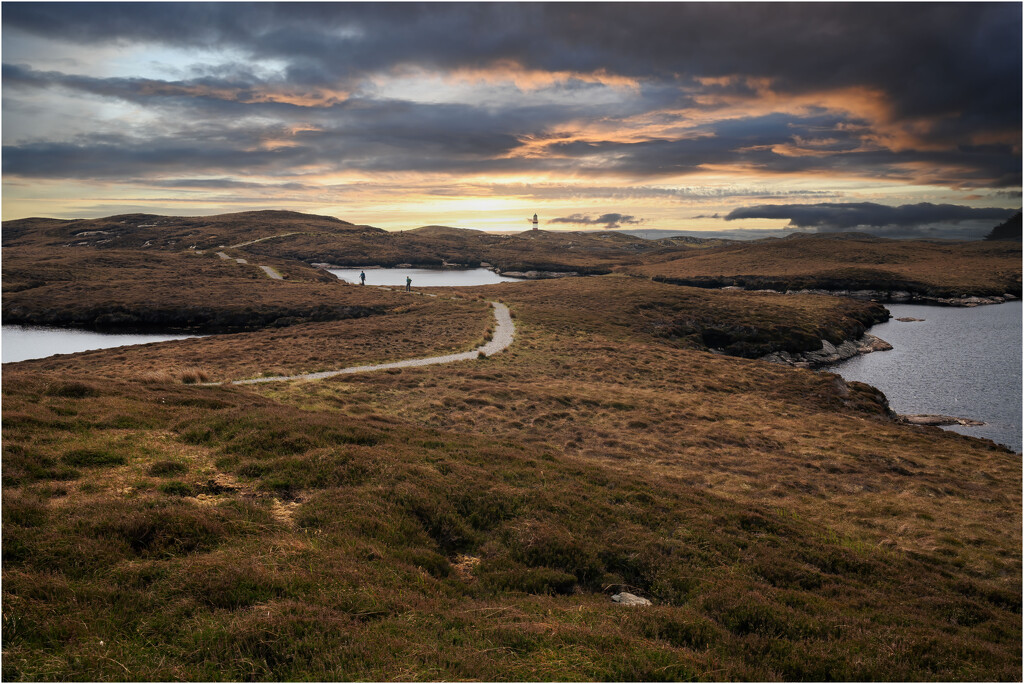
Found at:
<point>20,343</point>
<point>422,277</point>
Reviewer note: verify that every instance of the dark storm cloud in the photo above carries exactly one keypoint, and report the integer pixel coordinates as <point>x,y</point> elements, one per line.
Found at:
<point>908,220</point>
<point>190,92</point>
<point>758,150</point>
<point>930,58</point>
<point>683,194</point>
<point>421,142</point>
<point>391,136</point>
<point>947,70</point>
<point>118,157</point>
<point>609,221</point>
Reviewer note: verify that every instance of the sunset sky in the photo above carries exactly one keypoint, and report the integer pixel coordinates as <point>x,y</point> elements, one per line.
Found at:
<point>690,116</point>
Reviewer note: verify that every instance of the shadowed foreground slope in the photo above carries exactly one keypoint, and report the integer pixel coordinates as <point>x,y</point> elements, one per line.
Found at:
<point>470,521</point>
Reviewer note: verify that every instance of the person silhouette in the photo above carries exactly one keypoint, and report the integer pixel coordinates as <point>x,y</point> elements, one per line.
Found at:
<point>408,284</point>
<point>362,277</point>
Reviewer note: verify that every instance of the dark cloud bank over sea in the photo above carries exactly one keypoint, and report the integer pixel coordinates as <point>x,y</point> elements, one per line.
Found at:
<point>609,221</point>
<point>905,221</point>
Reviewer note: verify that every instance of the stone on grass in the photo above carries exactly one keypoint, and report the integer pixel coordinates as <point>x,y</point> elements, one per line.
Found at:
<point>628,599</point>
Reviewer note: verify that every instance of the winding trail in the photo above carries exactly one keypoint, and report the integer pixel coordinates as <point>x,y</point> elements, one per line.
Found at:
<point>504,333</point>
<point>272,272</point>
<point>269,237</point>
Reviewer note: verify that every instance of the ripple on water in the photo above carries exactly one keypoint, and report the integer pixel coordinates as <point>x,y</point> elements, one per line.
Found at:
<point>963,362</point>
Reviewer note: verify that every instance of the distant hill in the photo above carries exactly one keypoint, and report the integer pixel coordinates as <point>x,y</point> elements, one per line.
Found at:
<point>657,233</point>
<point>152,231</point>
<point>1010,229</point>
<point>444,231</point>
<point>745,234</point>
<point>846,261</point>
<point>832,261</point>
<point>324,239</point>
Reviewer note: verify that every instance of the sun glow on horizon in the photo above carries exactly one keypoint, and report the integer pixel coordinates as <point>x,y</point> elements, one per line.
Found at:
<point>408,119</point>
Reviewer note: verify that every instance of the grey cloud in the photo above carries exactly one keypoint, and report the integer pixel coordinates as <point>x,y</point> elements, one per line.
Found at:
<point>435,146</point>
<point>751,142</point>
<point>240,93</point>
<point>118,158</point>
<point>908,220</point>
<point>220,184</point>
<point>454,138</point>
<point>965,55</point>
<point>688,194</point>
<point>966,78</point>
<point>609,221</point>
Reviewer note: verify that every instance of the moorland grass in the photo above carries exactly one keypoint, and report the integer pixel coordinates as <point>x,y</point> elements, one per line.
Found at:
<point>130,290</point>
<point>416,326</point>
<point>471,521</point>
<point>848,261</point>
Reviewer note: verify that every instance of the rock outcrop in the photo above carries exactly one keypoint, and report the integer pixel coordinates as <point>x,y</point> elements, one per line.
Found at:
<point>930,419</point>
<point>904,297</point>
<point>897,291</point>
<point>536,275</point>
<point>829,353</point>
<point>627,599</point>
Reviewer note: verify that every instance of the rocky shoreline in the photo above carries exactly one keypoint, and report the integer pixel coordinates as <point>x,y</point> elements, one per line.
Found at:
<point>904,297</point>
<point>896,292</point>
<point>930,419</point>
<point>829,353</point>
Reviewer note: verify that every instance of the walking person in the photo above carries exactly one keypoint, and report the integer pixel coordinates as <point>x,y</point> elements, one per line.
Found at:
<point>408,284</point>
<point>362,277</point>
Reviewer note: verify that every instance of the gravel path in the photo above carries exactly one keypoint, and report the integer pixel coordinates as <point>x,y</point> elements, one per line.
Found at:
<point>503,335</point>
<point>222,255</point>
<point>269,237</point>
<point>272,272</point>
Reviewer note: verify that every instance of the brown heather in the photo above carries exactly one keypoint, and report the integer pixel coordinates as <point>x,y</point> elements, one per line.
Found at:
<point>851,261</point>
<point>470,521</point>
<point>414,326</point>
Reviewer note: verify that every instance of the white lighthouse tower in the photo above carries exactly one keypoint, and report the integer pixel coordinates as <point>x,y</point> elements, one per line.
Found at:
<point>534,222</point>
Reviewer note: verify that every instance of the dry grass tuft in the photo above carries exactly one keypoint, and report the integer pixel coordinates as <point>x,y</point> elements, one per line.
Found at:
<point>192,375</point>
<point>156,377</point>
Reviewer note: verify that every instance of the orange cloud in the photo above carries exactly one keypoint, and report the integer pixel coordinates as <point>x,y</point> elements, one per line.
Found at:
<point>287,139</point>
<point>523,78</point>
<point>881,128</point>
<point>315,97</point>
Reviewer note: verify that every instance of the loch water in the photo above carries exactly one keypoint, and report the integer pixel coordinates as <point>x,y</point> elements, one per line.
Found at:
<point>963,362</point>
<point>20,343</point>
<point>422,277</point>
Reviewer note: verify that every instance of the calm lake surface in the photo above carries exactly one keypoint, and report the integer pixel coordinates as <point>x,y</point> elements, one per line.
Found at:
<point>423,277</point>
<point>19,343</point>
<point>957,362</point>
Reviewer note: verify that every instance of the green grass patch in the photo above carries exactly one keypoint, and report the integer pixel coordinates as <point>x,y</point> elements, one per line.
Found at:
<point>93,458</point>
